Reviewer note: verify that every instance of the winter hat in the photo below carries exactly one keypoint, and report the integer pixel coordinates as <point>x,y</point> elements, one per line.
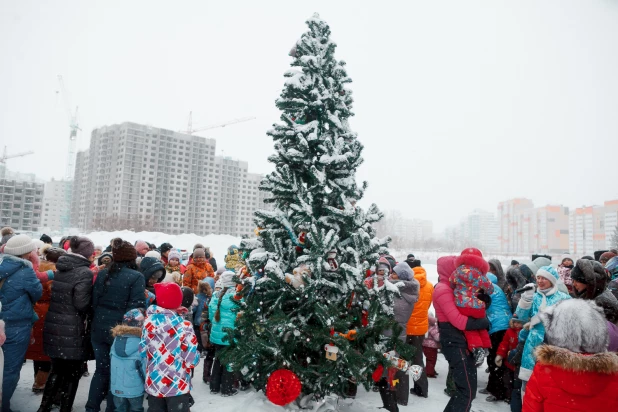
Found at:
<point>410,257</point>
<point>211,282</point>
<point>514,262</point>
<point>606,256</point>
<point>391,261</point>
<point>81,246</point>
<point>52,254</point>
<point>165,247</point>
<point>150,267</point>
<point>472,257</point>
<point>577,325</point>
<point>134,317</point>
<point>199,253</point>
<point>226,279</point>
<point>169,295</point>
<point>123,251</point>
<point>385,264</point>
<point>19,245</point>
<point>153,254</point>
<point>46,239</point>
<point>587,257</point>
<point>548,273</point>
<point>218,284</point>
<point>187,297</point>
<point>7,233</point>
<point>198,246</point>
<point>174,255</point>
<point>220,270</point>
<point>541,261</point>
<point>403,271</point>
<point>565,257</point>
<point>587,271</point>
<point>103,256</point>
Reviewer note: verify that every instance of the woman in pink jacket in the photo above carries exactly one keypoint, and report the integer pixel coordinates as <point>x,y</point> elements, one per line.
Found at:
<point>451,324</point>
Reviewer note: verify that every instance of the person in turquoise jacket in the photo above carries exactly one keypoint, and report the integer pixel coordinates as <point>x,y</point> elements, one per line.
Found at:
<point>222,314</point>
<point>499,315</point>
<point>545,293</point>
<point>128,369</point>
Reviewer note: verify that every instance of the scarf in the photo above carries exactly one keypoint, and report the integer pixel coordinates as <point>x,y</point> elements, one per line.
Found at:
<point>544,293</point>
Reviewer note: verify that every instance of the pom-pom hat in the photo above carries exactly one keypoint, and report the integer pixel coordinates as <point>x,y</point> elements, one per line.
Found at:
<point>169,295</point>
<point>19,245</point>
<point>474,258</point>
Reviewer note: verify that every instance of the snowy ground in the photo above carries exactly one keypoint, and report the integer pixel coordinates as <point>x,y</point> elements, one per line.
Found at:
<point>24,400</point>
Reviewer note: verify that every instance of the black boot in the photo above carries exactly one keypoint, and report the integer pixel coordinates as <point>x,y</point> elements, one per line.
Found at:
<point>207,369</point>
<point>389,398</point>
<point>51,388</point>
<point>68,394</point>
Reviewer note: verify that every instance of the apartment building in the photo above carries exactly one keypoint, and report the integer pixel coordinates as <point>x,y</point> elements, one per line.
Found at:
<point>57,205</point>
<point>480,229</point>
<point>139,177</point>
<point>21,204</point>
<point>592,227</point>
<point>509,220</point>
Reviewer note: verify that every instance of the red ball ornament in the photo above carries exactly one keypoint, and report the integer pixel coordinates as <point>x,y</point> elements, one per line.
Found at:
<point>282,387</point>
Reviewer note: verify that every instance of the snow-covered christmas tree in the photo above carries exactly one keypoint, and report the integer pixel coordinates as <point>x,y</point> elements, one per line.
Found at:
<point>305,305</point>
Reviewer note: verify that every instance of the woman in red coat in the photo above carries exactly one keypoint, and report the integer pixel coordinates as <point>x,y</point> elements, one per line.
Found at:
<point>574,372</point>
<point>42,362</point>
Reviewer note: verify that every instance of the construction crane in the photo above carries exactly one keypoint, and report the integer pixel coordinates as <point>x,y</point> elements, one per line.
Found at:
<point>5,157</point>
<point>190,130</point>
<point>74,127</point>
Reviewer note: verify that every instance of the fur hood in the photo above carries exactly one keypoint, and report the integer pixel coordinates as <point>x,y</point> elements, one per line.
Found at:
<point>604,362</point>
<point>473,261</point>
<point>120,330</point>
<point>499,272</point>
<point>515,278</point>
<point>577,325</point>
<point>593,275</point>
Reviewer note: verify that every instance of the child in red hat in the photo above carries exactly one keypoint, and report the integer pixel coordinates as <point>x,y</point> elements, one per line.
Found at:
<point>170,347</point>
<point>471,285</point>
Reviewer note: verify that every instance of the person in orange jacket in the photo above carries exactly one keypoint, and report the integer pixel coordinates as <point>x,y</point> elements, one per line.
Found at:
<point>199,269</point>
<point>418,325</point>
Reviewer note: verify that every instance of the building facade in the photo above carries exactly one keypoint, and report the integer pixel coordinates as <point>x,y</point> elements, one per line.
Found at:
<point>21,204</point>
<point>139,177</point>
<point>509,221</point>
<point>480,229</point>
<point>57,205</point>
<point>592,227</point>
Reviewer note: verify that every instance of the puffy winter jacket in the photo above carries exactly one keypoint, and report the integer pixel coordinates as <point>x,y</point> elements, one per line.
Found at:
<point>508,343</point>
<point>537,332</point>
<point>66,333</point>
<point>128,368</point>
<point>451,322</point>
<point>467,282</point>
<point>433,334</point>
<point>418,323</point>
<point>499,312</point>
<point>169,345</point>
<point>404,304</point>
<point>35,349</point>
<point>569,381</point>
<point>114,295</point>
<point>196,272</point>
<point>20,291</point>
<point>227,316</point>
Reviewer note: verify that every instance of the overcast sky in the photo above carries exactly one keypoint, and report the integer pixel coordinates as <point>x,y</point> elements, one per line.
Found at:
<point>460,104</point>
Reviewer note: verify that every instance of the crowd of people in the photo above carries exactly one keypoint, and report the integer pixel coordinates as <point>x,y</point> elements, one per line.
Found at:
<point>548,334</point>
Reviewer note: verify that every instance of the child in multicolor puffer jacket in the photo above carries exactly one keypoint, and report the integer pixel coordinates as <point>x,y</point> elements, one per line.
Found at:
<point>170,347</point>
<point>469,282</point>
